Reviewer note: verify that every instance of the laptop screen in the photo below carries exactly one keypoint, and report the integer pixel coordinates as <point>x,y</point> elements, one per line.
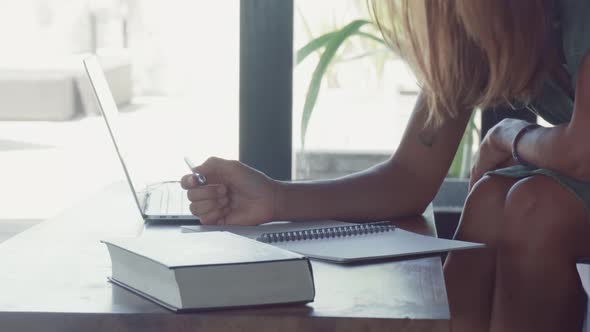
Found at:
<point>109,111</point>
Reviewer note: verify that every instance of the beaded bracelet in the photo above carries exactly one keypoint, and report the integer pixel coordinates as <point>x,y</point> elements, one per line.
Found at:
<point>517,138</point>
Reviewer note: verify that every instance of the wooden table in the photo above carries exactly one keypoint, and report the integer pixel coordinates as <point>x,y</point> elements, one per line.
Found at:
<point>54,279</point>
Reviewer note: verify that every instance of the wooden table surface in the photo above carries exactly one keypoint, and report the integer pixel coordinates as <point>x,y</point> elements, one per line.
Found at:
<point>54,279</point>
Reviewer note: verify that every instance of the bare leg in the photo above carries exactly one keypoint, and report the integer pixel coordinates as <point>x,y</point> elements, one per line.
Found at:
<point>546,228</point>
<point>470,274</point>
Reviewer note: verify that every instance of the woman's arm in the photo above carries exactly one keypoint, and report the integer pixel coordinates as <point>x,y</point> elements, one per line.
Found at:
<point>564,148</point>
<point>403,185</point>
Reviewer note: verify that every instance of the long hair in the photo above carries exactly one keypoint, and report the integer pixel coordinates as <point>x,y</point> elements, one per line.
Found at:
<point>467,53</point>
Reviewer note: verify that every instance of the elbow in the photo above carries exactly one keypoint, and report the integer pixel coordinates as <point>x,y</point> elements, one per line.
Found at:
<point>422,199</point>
<point>416,209</point>
<point>421,208</point>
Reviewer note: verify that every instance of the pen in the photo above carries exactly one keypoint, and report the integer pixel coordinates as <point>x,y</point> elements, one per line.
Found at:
<point>201,179</point>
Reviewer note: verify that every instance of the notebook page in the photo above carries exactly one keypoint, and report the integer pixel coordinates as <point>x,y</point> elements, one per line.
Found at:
<point>346,249</point>
<point>373,246</point>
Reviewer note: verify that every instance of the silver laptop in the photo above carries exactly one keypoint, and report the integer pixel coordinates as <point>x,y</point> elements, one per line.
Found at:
<point>159,202</point>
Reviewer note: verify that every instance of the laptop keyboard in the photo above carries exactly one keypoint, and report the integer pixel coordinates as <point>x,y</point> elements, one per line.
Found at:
<point>168,199</point>
<point>175,200</point>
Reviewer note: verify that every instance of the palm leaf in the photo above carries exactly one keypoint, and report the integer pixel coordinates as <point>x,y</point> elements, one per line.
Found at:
<point>372,53</point>
<point>371,36</point>
<point>313,45</point>
<point>332,44</point>
<point>322,40</point>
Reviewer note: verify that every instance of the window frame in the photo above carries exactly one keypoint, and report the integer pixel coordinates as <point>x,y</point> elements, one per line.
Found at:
<point>266,86</point>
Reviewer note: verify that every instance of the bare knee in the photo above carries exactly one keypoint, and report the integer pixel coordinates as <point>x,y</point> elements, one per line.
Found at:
<point>483,208</point>
<point>539,217</point>
<point>489,192</point>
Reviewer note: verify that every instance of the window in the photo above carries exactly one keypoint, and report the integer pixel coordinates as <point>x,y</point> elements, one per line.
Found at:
<point>365,100</point>
<point>176,68</point>
<point>173,68</point>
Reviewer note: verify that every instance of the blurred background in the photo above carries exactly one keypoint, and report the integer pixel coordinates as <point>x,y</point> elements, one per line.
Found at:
<point>173,67</point>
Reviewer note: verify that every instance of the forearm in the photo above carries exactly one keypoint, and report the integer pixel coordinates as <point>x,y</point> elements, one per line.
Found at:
<point>562,148</point>
<point>551,148</point>
<point>381,192</point>
<point>401,186</point>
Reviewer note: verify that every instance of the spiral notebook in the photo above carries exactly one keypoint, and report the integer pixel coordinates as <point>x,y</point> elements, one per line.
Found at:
<point>344,242</point>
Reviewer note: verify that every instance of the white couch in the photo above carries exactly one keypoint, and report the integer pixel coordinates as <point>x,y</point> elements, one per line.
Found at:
<point>57,89</point>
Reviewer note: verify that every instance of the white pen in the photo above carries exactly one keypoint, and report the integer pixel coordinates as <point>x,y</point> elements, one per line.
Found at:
<point>201,179</point>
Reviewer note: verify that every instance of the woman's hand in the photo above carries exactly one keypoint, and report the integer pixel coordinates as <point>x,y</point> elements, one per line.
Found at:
<point>235,194</point>
<point>495,150</point>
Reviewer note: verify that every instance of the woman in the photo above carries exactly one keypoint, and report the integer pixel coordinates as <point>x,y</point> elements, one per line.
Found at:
<point>530,186</point>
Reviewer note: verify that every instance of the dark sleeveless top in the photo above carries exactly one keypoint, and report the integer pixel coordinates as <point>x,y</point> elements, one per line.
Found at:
<point>553,104</point>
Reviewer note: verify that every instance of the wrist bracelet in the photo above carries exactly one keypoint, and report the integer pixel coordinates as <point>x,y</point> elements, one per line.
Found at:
<point>517,138</point>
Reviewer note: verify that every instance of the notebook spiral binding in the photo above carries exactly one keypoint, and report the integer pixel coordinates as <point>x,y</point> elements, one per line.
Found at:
<point>327,232</point>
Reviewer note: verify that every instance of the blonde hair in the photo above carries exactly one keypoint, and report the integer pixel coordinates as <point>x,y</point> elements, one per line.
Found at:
<point>467,53</point>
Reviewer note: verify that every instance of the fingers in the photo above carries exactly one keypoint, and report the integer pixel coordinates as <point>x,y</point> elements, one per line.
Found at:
<point>210,210</point>
<point>211,202</point>
<point>203,207</point>
<point>210,169</point>
<point>507,163</point>
<point>188,181</point>
<point>472,182</point>
<point>211,191</point>
<point>215,217</point>
<point>208,202</point>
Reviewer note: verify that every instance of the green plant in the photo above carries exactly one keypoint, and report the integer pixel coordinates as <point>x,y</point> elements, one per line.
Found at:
<point>461,165</point>
<point>330,43</point>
